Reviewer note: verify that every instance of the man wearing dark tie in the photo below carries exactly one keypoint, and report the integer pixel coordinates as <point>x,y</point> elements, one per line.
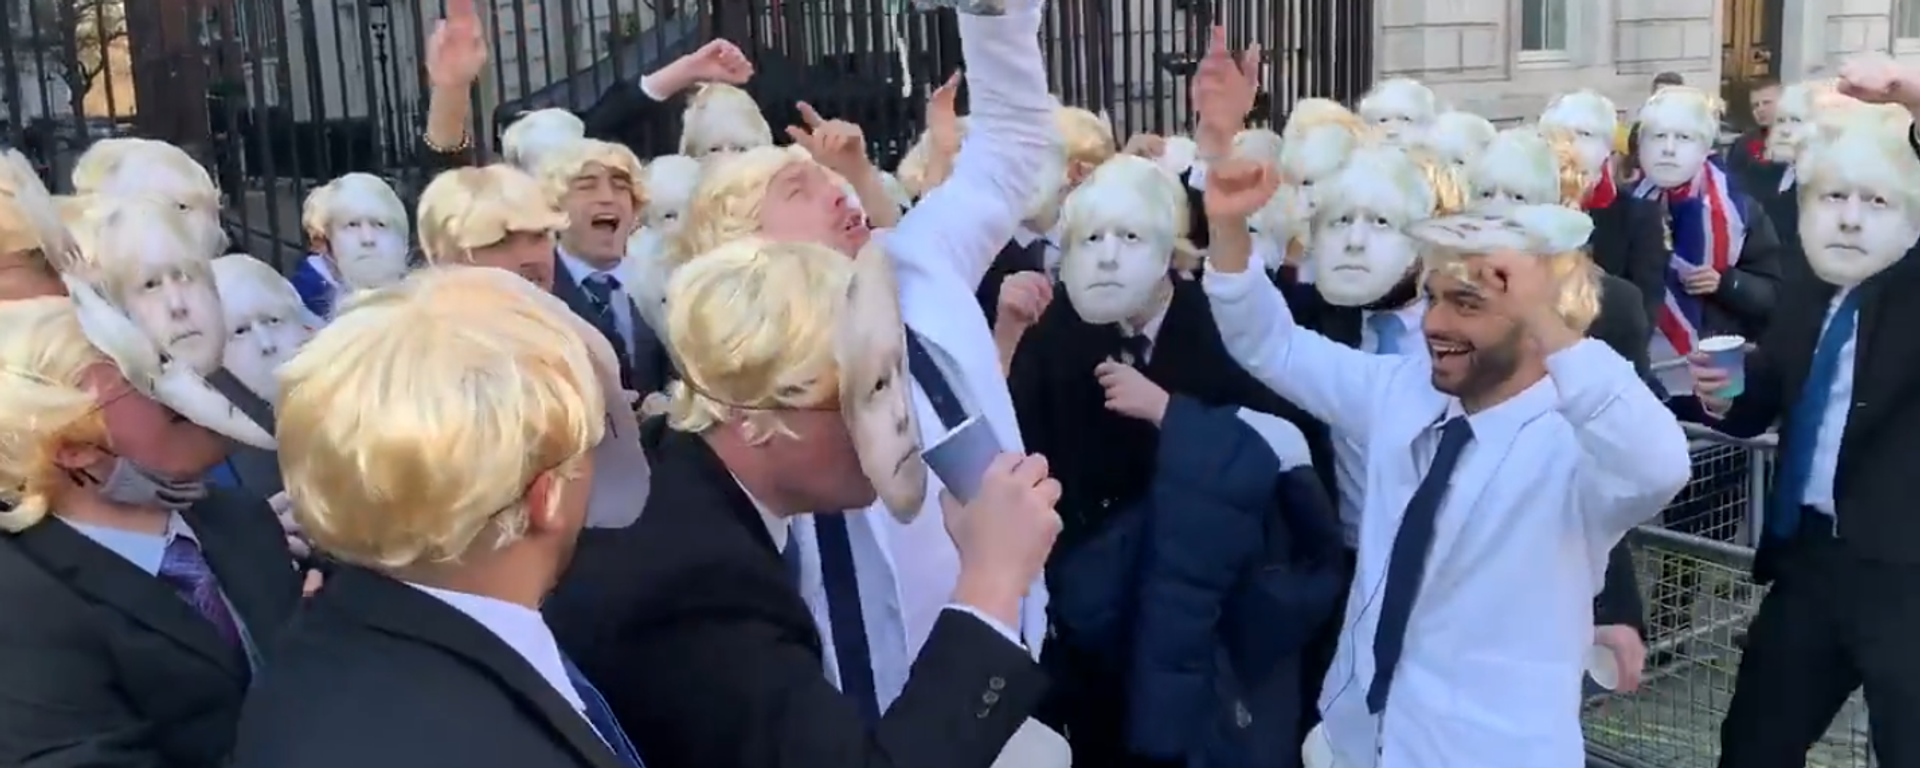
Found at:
<point>443,439</point>
<point>1840,545</point>
<point>597,184</point>
<point>139,603</point>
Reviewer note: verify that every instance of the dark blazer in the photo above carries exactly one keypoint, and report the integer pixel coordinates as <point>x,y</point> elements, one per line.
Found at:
<point>1873,488</point>
<point>1748,292</point>
<point>104,666</point>
<point>690,624</point>
<point>643,369</point>
<point>627,115</point>
<point>1103,460</point>
<point>378,674</point>
<point>1014,258</point>
<point>1629,242</point>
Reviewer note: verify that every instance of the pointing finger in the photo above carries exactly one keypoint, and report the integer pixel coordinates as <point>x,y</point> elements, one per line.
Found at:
<point>1250,61</point>
<point>799,135</point>
<point>809,116</point>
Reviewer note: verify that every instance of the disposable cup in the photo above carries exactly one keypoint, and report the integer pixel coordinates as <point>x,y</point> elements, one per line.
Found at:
<point>1728,353</point>
<point>1603,666</point>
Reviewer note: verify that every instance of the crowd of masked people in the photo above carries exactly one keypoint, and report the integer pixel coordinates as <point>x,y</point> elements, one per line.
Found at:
<point>674,438</point>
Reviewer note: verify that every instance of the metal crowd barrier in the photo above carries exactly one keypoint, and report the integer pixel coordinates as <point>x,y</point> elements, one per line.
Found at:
<point>1695,567</point>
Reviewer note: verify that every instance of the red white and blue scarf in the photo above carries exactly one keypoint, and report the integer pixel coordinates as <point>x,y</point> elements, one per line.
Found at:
<point>1706,229</point>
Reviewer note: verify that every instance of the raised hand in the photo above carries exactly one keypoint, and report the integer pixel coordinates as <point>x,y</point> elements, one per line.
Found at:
<point>1005,535</point>
<point>719,61</point>
<point>836,144</point>
<point>943,118</point>
<point>1237,187</point>
<point>457,48</point>
<point>1023,296</point>
<point>1877,79</point>
<point>1522,287</point>
<point>1224,86</point>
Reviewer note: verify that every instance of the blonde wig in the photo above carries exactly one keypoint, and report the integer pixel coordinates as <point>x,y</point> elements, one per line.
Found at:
<point>1553,232</point>
<point>44,404</point>
<point>1399,97</point>
<point>412,425</point>
<point>470,208</point>
<point>1570,171</point>
<point>752,325</point>
<point>913,166</point>
<point>146,167</point>
<point>351,196</point>
<point>1088,136</point>
<point>119,238</point>
<point>1457,137</point>
<point>721,118</point>
<point>29,219</point>
<point>567,162</point>
<point>1865,149</point>
<point>726,203</point>
<point>1685,109</point>
<point>528,138</point>
<point>240,274</point>
<point>1523,165</point>
<point>1315,112</point>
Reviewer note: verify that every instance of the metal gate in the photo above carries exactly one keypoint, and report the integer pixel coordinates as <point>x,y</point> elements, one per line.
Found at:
<point>277,96</point>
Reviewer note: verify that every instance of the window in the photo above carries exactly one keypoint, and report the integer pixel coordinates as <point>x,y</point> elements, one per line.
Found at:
<point>1906,19</point>
<point>1543,25</point>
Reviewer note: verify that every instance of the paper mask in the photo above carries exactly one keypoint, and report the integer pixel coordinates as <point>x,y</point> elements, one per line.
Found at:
<point>1541,230</point>
<point>1121,228</point>
<point>1458,137</point>
<point>644,272</point>
<point>1361,250</point>
<point>622,478</point>
<point>266,322</point>
<point>1592,121</point>
<point>1399,110</point>
<point>536,133</point>
<point>1677,129</point>
<point>875,393</point>
<point>1859,198</point>
<point>169,381</point>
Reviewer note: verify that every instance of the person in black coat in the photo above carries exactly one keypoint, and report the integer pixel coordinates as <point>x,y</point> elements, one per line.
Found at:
<point>142,603</point>
<point>656,114</point>
<point>693,620</point>
<point>449,520</point>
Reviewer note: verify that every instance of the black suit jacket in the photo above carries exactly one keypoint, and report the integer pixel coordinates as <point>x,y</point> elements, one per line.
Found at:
<point>627,115</point>
<point>643,369</point>
<point>1748,292</point>
<point>104,666</point>
<point>378,674</point>
<point>1629,242</point>
<point>1873,487</point>
<point>1013,258</point>
<point>689,623</point>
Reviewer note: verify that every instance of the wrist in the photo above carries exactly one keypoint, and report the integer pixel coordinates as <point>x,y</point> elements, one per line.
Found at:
<point>993,594</point>
<point>666,82</point>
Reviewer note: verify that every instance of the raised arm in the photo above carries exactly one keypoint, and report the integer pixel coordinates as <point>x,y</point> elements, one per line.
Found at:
<point>456,51</point>
<point>1633,454</point>
<point>959,226</point>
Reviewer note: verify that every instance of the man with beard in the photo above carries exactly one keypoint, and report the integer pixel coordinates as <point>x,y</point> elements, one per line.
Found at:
<point>1836,370</point>
<point>597,185</point>
<point>140,603</point>
<point>1510,415</point>
<point>445,439</point>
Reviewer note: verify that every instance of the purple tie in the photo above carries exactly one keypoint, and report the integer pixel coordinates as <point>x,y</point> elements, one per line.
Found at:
<point>187,572</point>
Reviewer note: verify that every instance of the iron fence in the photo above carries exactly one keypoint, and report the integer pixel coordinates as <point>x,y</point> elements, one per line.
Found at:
<point>277,96</point>
<point>1695,570</point>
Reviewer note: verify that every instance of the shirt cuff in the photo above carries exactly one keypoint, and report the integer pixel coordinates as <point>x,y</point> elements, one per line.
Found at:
<point>1197,175</point>
<point>1588,376</point>
<point>647,88</point>
<point>1005,631</point>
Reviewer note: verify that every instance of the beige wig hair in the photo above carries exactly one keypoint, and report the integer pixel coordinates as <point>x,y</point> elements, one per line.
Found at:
<point>720,114</point>
<point>528,138</point>
<point>566,162</point>
<point>114,236</point>
<point>1551,231</point>
<point>726,203</point>
<point>239,274</point>
<point>44,405</point>
<point>1088,137</point>
<point>128,166</point>
<point>1139,192</point>
<point>412,425</point>
<point>1865,149</point>
<point>30,222</point>
<point>469,208</point>
<point>913,167</point>
<point>752,325</point>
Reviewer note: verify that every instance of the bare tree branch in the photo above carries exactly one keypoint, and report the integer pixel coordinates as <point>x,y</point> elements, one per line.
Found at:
<point>75,37</point>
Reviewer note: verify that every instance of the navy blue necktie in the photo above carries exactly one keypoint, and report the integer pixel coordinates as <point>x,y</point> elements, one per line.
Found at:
<point>1408,563</point>
<point>844,616</point>
<point>600,716</point>
<point>1387,332</point>
<point>1803,422</point>
<point>933,383</point>
<point>1134,347</point>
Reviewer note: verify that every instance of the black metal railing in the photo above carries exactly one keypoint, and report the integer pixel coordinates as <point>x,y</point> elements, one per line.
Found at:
<point>277,96</point>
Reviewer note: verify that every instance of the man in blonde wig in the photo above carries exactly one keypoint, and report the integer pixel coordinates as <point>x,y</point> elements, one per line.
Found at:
<point>1836,372</point>
<point>445,440</point>
<point>941,249</point>
<point>140,603</point>
<point>1514,413</point>
<point>598,185</point>
<point>356,227</point>
<point>492,216</point>
<point>793,400</point>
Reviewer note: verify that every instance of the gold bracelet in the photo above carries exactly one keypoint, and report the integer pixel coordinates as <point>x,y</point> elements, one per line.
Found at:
<point>466,143</point>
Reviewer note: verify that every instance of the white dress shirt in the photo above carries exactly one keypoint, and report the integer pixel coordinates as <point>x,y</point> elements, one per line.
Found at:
<point>942,249</point>
<point>1349,466</point>
<point>1554,476</point>
<point>579,270</point>
<point>1833,423</point>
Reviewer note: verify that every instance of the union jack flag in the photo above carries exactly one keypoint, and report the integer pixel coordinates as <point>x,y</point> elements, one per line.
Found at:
<point>1703,228</point>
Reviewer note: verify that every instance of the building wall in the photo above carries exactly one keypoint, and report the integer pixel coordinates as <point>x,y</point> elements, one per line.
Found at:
<point>1822,33</point>
<point>1469,51</point>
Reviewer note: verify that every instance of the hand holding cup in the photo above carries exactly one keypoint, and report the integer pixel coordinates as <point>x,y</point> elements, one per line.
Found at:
<point>1004,535</point>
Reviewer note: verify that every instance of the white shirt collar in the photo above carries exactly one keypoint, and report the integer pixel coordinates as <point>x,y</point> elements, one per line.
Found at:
<point>579,269</point>
<point>1786,179</point>
<point>776,525</point>
<point>522,629</point>
<point>146,551</point>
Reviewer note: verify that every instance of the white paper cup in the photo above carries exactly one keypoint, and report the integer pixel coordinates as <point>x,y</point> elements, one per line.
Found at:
<point>1603,666</point>
<point>1728,353</point>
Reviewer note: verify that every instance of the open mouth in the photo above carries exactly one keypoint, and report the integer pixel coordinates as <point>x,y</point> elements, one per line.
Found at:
<point>1445,349</point>
<point>853,222</point>
<point>605,223</point>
